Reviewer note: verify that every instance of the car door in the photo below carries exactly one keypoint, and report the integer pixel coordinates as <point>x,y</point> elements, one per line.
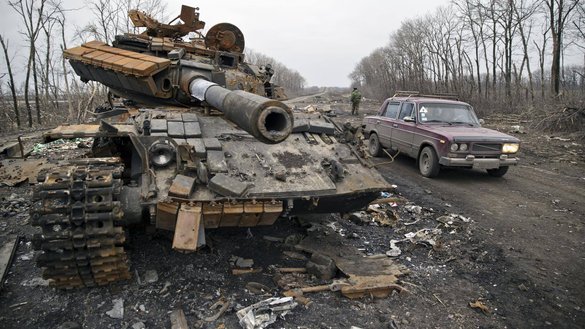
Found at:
<point>403,130</point>
<point>385,122</point>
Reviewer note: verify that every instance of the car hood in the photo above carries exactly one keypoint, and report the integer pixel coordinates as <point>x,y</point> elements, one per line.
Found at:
<point>461,133</point>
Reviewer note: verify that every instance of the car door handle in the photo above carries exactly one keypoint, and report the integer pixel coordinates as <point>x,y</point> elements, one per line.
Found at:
<point>377,121</point>
<point>395,125</point>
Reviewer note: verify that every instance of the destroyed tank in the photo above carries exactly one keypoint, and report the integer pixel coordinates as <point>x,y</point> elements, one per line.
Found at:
<point>193,139</point>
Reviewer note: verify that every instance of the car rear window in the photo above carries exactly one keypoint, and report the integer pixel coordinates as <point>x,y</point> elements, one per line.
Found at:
<point>391,110</point>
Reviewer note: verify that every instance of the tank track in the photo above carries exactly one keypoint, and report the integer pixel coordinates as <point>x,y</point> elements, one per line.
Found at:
<point>80,216</point>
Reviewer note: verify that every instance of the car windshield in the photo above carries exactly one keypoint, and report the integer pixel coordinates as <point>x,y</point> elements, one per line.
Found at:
<point>447,114</point>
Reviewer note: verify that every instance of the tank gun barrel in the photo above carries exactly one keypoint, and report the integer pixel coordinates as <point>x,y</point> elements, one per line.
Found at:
<point>268,120</point>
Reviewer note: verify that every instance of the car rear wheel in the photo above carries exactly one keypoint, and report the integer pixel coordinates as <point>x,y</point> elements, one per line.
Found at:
<point>374,146</point>
<point>428,163</point>
<point>499,172</point>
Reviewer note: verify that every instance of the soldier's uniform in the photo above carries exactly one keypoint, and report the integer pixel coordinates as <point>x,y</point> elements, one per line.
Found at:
<point>355,99</point>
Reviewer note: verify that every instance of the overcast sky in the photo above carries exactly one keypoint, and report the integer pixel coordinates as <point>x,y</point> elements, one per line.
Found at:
<point>322,39</point>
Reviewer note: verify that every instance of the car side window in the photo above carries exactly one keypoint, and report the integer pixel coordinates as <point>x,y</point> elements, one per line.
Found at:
<point>391,110</point>
<point>406,111</point>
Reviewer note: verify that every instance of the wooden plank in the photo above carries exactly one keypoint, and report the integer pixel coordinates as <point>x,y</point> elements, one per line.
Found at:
<point>6,256</point>
<point>103,59</point>
<point>111,62</point>
<point>95,44</point>
<point>178,320</point>
<point>91,57</point>
<point>76,53</point>
<point>187,228</point>
<point>379,286</point>
<point>144,69</point>
<point>99,54</point>
<point>119,65</point>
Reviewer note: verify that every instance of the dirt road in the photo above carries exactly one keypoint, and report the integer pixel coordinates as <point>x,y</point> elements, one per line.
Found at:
<point>530,224</point>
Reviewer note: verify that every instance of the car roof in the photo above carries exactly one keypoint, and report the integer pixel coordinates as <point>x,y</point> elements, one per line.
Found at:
<point>425,99</point>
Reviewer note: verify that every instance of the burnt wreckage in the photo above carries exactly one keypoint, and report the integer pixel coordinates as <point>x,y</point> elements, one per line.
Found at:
<point>201,140</point>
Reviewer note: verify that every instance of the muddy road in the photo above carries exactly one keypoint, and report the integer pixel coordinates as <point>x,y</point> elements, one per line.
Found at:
<point>530,223</point>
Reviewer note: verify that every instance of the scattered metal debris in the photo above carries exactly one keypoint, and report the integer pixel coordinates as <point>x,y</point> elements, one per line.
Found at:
<point>223,304</point>
<point>426,236</point>
<point>117,311</point>
<point>266,312</point>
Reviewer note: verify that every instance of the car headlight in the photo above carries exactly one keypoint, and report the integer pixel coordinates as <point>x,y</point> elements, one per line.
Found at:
<point>510,147</point>
<point>458,147</point>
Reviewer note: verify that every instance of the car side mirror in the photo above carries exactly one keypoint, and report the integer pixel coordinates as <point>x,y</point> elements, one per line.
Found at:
<point>481,121</point>
<point>409,119</point>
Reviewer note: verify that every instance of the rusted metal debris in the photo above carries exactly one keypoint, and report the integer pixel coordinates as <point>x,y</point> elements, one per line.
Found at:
<point>6,256</point>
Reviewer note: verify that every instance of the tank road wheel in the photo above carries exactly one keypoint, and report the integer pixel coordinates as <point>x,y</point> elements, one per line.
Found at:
<point>374,146</point>
<point>428,163</point>
<point>80,217</point>
<point>498,172</point>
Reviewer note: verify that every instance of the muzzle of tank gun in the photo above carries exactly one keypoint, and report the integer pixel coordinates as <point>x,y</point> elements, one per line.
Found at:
<point>268,120</point>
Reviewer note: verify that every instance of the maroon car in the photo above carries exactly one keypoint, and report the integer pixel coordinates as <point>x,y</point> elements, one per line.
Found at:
<point>439,131</point>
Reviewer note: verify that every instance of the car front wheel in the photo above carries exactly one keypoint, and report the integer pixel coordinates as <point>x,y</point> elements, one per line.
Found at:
<point>499,172</point>
<point>374,146</point>
<point>428,163</point>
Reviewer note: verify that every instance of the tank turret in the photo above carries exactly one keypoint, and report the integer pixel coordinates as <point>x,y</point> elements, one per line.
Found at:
<point>159,68</point>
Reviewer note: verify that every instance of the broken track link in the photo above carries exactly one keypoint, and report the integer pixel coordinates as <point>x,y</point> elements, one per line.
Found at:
<point>80,216</point>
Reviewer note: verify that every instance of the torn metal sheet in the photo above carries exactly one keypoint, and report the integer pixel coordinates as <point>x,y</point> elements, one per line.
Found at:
<point>348,259</point>
<point>266,312</point>
<point>18,171</point>
<point>426,236</point>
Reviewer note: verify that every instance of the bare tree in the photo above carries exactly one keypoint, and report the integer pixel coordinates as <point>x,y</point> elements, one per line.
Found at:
<point>31,12</point>
<point>523,12</point>
<point>11,78</point>
<point>47,26</point>
<point>111,17</point>
<point>470,18</point>
<point>70,109</point>
<point>558,13</point>
<point>579,26</point>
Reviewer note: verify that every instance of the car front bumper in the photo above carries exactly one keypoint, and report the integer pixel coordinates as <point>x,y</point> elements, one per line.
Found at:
<point>479,163</point>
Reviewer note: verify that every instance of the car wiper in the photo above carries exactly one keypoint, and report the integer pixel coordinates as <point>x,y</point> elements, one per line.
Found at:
<point>439,121</point>
<point>462,122</point>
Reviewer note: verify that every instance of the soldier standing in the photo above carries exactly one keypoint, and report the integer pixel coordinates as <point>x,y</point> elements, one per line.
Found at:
<point>355,99</point>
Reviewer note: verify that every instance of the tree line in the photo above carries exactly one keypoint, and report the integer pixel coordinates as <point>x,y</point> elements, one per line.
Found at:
<point>292,81</point>
<point>487,51</point>
<point>50,92</point>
